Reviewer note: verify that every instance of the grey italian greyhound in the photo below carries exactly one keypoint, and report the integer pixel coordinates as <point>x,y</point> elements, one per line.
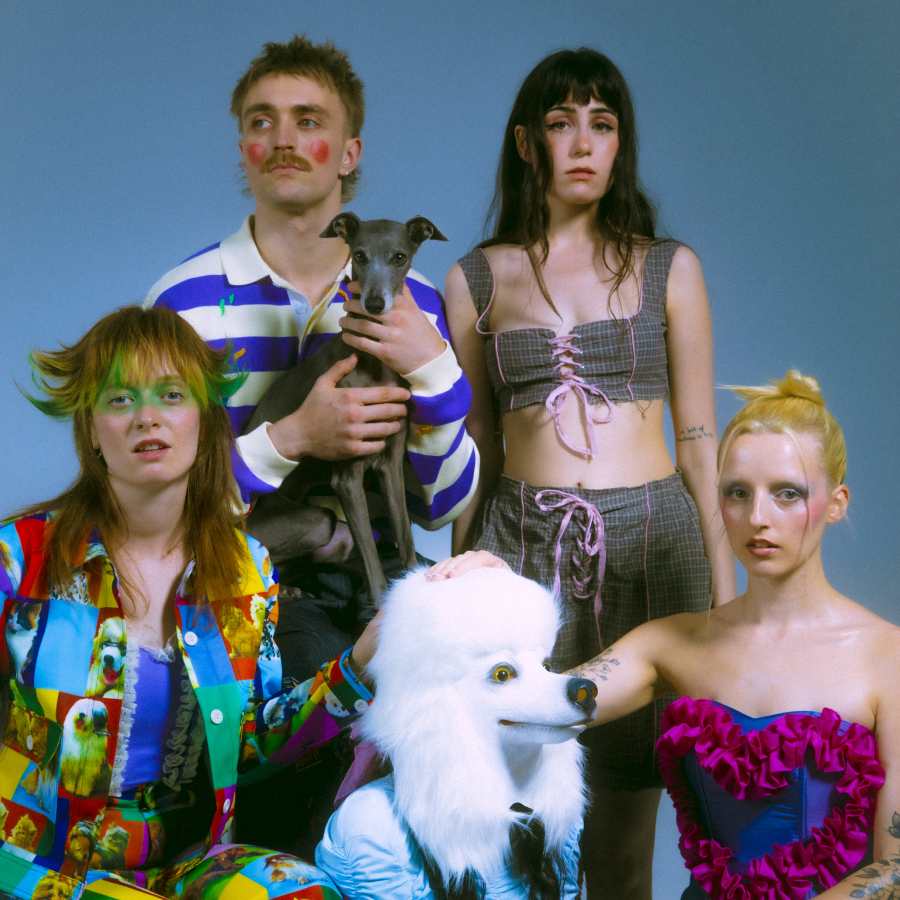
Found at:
<point>381,253</point>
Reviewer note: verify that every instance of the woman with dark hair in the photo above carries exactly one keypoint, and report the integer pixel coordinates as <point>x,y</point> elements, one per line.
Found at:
<point>575,324</point>
<point>140,677</point>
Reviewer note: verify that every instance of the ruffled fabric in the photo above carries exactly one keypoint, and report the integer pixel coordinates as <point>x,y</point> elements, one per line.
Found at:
<point>758,764</point>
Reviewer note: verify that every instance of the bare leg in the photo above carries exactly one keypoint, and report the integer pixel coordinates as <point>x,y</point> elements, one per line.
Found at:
<point>617,846</point>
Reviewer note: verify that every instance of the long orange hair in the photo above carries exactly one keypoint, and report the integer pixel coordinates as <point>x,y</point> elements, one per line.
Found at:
<point>127,346</point>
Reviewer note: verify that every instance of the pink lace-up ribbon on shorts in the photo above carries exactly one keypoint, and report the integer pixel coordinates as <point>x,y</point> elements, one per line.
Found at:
<point>589,558</point>
<point>565,351</point>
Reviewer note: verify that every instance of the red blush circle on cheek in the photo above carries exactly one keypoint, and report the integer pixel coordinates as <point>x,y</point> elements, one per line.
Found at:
<point>256,153</point>
<point>319,151</point>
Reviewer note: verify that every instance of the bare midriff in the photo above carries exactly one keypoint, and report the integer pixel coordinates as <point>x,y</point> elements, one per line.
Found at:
<point>631,447</point>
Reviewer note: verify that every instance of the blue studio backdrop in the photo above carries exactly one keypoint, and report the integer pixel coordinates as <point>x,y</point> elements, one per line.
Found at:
<point>769,135</point>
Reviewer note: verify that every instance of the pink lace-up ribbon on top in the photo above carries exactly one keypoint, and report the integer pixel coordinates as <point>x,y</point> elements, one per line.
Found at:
<point>565,351</point>
<point>589,558</point>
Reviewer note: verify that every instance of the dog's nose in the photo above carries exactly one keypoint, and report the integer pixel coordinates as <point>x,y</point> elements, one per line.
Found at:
<point>374,303</point>
<point>582,691</point>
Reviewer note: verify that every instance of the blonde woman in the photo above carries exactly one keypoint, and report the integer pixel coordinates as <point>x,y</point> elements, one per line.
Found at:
<point>782,755</point>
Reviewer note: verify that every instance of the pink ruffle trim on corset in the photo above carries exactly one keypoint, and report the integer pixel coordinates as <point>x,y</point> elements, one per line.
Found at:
<point>759,764</point>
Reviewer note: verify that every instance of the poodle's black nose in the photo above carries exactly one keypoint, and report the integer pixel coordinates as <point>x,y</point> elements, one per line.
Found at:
<point>582,691</point>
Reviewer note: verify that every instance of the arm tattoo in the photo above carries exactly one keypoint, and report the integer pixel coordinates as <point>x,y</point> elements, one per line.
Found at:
<point>881,880</point>
<point>894,827</point>
<point>600,667</point>
<point>694,433</point>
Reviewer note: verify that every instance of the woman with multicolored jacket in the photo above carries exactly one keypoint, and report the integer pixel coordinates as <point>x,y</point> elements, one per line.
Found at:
<point>142,677</point>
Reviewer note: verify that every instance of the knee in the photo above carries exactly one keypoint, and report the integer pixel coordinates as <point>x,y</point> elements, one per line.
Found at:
<point>620,873</point>
<point>617,846</point>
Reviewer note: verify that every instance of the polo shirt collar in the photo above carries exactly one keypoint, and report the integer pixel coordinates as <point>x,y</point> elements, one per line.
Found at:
<point>240,257</point>
<point>243,264</point>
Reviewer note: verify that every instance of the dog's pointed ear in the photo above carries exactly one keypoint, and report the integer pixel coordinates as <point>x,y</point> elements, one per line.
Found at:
<point>421,229</point>
<point>343,225</point>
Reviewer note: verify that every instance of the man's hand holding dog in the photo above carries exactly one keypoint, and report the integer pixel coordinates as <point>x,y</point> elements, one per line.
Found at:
<point>340,422</point>
<point>402,338</point>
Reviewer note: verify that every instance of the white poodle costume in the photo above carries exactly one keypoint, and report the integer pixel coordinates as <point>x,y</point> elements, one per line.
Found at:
<point>481,740</point>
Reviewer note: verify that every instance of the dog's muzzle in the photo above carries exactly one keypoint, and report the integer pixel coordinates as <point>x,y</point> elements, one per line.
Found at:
<point>582,692</point>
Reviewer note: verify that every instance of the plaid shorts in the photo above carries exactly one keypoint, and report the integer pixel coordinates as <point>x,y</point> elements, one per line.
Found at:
<point>616,557</point>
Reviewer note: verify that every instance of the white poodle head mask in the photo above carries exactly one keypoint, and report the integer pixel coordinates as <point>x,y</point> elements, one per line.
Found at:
<point>470,717</point>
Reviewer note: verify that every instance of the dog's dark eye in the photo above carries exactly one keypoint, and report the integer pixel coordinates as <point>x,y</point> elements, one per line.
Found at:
<point>502,673</point>
<point>360,258</point>
<point>399,259</point>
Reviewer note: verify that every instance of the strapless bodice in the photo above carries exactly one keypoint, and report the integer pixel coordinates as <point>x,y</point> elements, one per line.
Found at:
<point>779,805</point>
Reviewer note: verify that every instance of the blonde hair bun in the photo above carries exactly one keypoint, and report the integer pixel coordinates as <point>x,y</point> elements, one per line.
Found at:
<point>791,405</point>
<point>794,384</point>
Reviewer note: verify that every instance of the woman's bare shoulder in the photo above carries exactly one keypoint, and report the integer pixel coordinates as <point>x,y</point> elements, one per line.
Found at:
<point>869,625</point>
<point>689,627</point>
<point>506,260</point>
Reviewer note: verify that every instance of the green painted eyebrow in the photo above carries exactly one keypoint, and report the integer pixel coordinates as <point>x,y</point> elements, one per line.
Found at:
<point>174,379</point>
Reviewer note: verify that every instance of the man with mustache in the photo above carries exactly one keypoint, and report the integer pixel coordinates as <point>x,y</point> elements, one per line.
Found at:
<point>275,286</point>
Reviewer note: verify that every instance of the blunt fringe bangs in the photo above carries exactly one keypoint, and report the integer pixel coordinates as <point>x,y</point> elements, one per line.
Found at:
<point>519,213</point>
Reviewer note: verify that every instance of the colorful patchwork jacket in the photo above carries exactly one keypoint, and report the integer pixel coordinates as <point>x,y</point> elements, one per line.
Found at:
<point>69,718</point>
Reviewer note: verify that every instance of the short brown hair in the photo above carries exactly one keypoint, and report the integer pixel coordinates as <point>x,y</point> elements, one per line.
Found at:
<point>321,62</point>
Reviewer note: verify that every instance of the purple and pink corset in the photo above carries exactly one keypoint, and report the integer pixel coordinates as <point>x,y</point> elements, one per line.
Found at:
<point>774,806</point>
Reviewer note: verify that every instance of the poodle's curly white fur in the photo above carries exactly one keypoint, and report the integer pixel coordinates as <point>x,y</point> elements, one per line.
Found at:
<point>471,719</point>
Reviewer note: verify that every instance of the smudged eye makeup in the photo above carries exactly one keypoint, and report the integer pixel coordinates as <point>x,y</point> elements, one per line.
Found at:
<point>562,118</point>
<point>735,492</point>
<point>791,493</point>
<point>783,493</point>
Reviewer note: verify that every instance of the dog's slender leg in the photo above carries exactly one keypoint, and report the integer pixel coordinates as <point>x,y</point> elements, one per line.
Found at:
<point>347,482</point>
<point>393,488</point>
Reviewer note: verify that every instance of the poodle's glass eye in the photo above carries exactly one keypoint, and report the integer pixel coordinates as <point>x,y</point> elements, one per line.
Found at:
<point>502,673</point>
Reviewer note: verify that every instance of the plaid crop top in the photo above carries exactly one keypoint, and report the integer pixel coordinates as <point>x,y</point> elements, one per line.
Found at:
<point>602,362</point>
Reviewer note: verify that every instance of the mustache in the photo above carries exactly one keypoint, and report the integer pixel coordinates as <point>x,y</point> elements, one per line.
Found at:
<point>285,158</point>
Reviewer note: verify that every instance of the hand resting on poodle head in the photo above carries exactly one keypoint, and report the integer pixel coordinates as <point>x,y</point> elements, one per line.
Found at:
<point>486,795</point>
<point>139,673</point>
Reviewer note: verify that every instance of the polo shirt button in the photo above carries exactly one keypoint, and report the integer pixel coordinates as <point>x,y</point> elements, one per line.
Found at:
<point>190,638</point>
<point>217,717</point>
<point>29,742</point>
<point>226,805</point>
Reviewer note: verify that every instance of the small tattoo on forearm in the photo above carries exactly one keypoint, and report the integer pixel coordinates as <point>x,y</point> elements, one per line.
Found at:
<point>894,827</point>
<point>600,667</point>
<point>879,881</point>
<point>694,433</point>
